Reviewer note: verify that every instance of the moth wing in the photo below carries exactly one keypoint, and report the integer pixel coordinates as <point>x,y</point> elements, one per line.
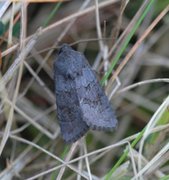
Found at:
<point>70,116</point>
<point>94,104</point>
<point>72,131</point>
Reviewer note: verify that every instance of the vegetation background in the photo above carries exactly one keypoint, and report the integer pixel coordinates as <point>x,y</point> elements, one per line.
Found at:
<point>127,43</point>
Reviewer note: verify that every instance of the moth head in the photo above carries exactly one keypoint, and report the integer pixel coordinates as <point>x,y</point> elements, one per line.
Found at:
<point>69,62</point>
<point>64,48</point>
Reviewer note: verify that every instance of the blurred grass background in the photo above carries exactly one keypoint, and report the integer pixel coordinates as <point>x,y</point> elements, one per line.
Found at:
<point>127,43</point>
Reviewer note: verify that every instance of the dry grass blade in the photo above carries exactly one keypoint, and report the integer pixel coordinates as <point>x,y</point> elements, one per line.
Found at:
<point>134,48</point>
<point>135,36</point>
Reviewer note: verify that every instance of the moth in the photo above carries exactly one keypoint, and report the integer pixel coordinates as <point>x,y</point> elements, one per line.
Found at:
<point>81,101</point>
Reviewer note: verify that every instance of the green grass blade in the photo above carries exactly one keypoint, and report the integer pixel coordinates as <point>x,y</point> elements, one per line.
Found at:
<point>165,177</point>
<point>117,57</point>
<point>130,35</point>
<point>123,157</point>
<point>52,14</point>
